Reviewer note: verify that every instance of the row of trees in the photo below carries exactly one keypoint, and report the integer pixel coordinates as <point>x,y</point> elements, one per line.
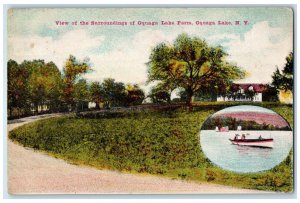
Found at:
<point>34,86</point>
<point>233,123</point>
<point>188,65</point>
<point>112,93</point>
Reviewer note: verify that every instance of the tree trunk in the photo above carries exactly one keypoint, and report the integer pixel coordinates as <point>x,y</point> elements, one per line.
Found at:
<point>190,105</point>
<point>36,109</point>
<point>97,106</point>
<point>169,100</point>
<point>10,111</point>
<point>189,100</point>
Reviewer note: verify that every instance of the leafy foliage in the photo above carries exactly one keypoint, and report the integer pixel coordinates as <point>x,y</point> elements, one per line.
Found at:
<point>134,95</point>
<point>284,80</point>
<point>250,94</point>
<point>36,86</point>
<point>113,92</point>
<point>33,83</point>
<point>81,94</point>
<point>117,94</point>
<point>160,94</point>
<point>72,71</point>
<point>270,93</point>
<point>17,87</point>
<point>191,64</point>
<point>96,94</point>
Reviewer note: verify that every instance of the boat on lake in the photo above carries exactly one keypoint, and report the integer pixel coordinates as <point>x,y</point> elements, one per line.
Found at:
<point>222,129</point>
<point>250,142</point>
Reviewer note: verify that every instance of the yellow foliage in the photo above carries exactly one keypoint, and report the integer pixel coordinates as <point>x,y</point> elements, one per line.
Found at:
<point>177,68</point>
<point>286,96</point>
<point>247,74</point>
<point>204,69</point>
<point>130,87</point>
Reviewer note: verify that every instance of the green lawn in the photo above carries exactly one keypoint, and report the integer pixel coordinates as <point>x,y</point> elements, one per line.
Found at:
<point>164,143</point>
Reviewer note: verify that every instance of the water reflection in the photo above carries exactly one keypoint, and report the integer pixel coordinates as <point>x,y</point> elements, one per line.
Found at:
<point>253,151</point>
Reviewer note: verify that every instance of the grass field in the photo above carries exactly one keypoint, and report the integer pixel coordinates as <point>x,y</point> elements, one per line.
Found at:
<point>165,143</point>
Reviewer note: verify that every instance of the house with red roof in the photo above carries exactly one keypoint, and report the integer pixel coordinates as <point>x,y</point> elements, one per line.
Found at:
<point>244,92</point>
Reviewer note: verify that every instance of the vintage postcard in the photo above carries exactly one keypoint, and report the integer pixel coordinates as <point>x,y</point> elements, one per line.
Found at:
<point>150,100</point>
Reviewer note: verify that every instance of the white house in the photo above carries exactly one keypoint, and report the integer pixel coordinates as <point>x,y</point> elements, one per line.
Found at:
<point>239,93</point>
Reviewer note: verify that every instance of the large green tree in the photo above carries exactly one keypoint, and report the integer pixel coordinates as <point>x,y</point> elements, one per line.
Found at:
<point>81,94</point>
<point>36,83</point>
<point>134,95</point>
<point>114,93</point>
<point>17,89</point>
<point>72,71</point>
<point>44,85</point>
<point>33,84</point>
<point>54,87</point>
<point>190,63</point>
<point>285,80</point>
<point>160,94</point>
<point>96,94</point>
<point>288,72</point>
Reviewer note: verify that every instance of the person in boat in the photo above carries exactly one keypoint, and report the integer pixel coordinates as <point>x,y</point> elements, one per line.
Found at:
<point>243,136</point>
<point>260,137</point>
<point>236,137</point>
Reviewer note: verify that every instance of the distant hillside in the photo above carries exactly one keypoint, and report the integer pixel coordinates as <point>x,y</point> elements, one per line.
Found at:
<point>258,117</point>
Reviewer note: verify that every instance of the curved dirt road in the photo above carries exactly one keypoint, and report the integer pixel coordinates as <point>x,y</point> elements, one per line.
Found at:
<point>31,172</point>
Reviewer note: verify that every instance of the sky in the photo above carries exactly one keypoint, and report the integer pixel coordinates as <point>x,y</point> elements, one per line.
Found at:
<point>121,52</point>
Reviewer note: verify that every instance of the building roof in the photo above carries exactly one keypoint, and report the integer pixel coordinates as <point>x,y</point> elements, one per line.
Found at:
<point>245,86</point>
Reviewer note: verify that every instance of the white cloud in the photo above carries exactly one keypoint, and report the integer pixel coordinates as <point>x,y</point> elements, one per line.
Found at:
<point>262,49</point>
<point>75,42</point>
<point>217,38</point>
<point>126,62</point>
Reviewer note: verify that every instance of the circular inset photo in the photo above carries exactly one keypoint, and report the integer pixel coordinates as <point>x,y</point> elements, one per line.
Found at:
<point>246,138</point>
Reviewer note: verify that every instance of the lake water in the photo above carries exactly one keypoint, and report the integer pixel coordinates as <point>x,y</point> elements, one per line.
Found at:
<point>217,147</point>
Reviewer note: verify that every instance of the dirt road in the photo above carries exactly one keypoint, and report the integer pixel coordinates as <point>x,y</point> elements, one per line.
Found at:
<point>32,172</point>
